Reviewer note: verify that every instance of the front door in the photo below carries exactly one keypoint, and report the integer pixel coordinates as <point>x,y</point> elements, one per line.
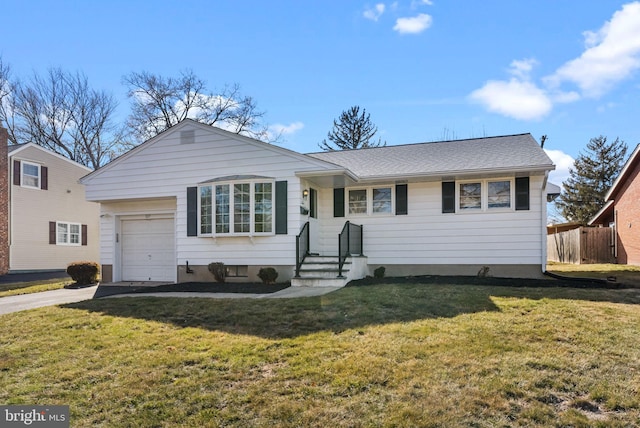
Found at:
<point>314,227</point>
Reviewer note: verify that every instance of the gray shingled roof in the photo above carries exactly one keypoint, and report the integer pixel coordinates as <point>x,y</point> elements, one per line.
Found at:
<point>512,152</point>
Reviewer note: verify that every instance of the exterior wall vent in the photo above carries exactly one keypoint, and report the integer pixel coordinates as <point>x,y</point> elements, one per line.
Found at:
<point>188,137</point>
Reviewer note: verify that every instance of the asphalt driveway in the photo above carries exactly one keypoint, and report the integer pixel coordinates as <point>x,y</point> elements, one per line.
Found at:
<point>22,302</point>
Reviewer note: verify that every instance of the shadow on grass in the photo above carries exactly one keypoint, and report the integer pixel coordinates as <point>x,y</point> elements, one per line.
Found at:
<point>352,307</point>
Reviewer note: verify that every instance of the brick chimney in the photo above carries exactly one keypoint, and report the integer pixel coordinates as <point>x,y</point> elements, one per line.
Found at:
<point>4,202</point>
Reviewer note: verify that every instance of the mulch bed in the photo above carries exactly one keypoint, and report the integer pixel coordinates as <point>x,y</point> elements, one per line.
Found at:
<point>507,282</point>
<point>194,287</point>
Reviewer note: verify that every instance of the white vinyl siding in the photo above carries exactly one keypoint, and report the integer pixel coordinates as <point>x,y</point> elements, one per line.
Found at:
<point>426,236</point>
<point>179,166</point>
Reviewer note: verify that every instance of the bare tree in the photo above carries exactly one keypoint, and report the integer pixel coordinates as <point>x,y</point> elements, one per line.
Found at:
<point>353,130</point>
<point>61,112</point>
<point>158,103</point>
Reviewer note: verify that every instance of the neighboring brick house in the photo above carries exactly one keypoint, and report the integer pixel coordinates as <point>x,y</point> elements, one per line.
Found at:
<point>46,221</point>
<point>622,211</point>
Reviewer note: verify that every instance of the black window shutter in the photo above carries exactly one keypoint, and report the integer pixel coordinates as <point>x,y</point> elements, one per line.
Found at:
<point>522,193</point>
<point>192,211</point>
<point>16,172</point>
<point>338,202</point>
<point>401,199</point>
<point>44,178</point>
<point>313,199</point>
<point>281,208</point>
<point>448,196</point>
<point>84,234</point>
<point>52,232</point>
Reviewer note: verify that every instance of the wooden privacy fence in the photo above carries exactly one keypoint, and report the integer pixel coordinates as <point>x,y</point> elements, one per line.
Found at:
<point>584,245</point>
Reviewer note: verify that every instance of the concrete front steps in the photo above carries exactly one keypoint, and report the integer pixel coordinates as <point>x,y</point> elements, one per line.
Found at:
<point>322,271</point>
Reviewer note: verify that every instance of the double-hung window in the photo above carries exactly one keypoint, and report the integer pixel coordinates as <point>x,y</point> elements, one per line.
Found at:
<point>68,233</point>
<point>30,175</point>
<point>375,200</point>
<point>484,195</point>
<point>237,208</point>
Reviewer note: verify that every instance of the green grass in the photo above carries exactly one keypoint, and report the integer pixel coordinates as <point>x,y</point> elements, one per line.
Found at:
<point>382,355</point>
<point>627,274</point>
<point>16,288</point>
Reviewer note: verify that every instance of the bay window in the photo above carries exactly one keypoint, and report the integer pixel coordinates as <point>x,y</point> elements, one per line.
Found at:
<point>238,208</point>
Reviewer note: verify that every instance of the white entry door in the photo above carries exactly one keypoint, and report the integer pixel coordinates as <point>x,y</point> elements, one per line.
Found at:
<point>148,250</point>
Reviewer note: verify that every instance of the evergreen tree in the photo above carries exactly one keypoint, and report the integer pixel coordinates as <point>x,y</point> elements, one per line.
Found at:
<point>353,130</point>
<point>590,179</point>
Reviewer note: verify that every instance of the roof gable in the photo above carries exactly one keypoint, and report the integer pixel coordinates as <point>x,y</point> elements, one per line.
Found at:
<point>17,149</point>
<point>188,124</point>
<point>627,169</point>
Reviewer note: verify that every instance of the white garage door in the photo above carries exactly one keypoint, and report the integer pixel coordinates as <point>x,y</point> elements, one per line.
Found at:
<point>148,250</point>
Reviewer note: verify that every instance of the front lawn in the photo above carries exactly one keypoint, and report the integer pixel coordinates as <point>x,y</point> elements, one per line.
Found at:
<point>379,355</point>
<point>626,274</point>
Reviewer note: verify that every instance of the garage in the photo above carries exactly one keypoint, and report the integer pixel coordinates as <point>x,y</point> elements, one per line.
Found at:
<point>148,249</point>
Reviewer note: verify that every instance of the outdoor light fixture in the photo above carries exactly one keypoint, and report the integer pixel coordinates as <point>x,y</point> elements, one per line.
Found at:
<point>305,193</point>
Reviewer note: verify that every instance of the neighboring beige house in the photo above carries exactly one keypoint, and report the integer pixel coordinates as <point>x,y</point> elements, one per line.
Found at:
<point>50,222</point>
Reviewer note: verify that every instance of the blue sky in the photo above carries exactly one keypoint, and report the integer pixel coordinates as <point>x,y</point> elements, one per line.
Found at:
<point>424,69</point>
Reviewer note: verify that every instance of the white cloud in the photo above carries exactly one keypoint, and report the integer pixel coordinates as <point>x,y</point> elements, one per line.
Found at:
<point>375,12</point>
<point>413,25</point>
<point>514,98</point>
<point>522,68</point>
<point>292,128</point>
<point>277,130</point>
<point>612,54</point>
<point>562,162</point>
<point>418,3</point>
<point>518,97</point>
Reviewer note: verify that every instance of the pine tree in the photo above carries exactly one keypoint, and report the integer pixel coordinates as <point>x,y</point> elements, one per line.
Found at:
<point>592,175</point>
<point>353,130</point>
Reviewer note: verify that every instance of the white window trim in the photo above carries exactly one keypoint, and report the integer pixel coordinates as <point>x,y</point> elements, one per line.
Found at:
<point>484,196</point>
<point>369,212</point>
<point>252,191</point>
<point>22,174</point>
<point>69,243</point>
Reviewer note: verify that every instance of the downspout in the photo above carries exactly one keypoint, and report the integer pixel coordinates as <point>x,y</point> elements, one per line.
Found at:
<point>543,216</point>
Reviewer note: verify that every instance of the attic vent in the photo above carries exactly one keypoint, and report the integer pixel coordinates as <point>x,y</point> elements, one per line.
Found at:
<point>187,137</point>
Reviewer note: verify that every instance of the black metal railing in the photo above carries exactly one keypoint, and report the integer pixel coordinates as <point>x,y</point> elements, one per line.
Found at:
<point>302,247</point>
<point>349,243</point>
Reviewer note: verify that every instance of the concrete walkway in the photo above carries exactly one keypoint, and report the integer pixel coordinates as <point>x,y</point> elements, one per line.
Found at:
<point>45,298</point>
<point>62,296</point>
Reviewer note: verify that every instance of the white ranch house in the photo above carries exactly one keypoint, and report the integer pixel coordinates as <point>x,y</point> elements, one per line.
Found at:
<point>196,194</point>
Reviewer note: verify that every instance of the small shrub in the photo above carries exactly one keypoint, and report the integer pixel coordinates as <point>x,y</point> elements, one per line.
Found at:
<point>218,270</point>
<point>379,272</point>
<point>268,275</point>
<point>84,273</point>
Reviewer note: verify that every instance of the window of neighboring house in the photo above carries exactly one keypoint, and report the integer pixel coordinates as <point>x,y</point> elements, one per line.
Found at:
<point>470,196</point>
<point>237,208</point>
<point>68,233</point>
<point>30,175</point>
